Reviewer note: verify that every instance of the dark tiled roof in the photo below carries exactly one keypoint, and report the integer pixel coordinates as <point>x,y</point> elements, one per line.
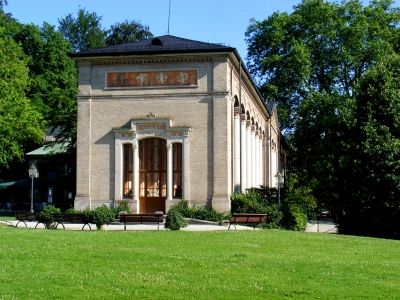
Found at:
<point>157,45</point>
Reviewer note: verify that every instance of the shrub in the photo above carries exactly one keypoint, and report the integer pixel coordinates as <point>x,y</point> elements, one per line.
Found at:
<point>102,215</point>
<point>122,206</point>
<point>259,201</point>
<point>294,218</point>
<point>174,220</point>
<point>47,215</point>
<point>201,213</point>
<point>72,211</point>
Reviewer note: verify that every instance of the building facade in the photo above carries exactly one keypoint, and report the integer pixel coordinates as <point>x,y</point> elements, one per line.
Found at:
<point>166,119</point>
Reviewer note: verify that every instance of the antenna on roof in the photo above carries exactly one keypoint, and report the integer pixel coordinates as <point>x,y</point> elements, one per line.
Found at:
<point>169,14</point>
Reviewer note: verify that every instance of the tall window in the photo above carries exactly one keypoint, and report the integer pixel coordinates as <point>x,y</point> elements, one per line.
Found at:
<point>177,170</point>
<point>128,171</point>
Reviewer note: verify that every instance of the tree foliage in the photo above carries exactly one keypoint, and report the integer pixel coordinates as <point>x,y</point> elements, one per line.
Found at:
<point>83,31</point>
<point>53,76</point>
<point>20,123</point>
<point>332,69</point>
<point>127,32</point>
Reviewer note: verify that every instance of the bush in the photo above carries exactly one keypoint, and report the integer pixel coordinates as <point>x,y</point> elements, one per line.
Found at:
<point>102,215</point>
<point>294,218</point>
<point>122,206</point>
<point>174,220</point>
<point>201,213</point>
<point>72,211</point>
<point>47,215</point>
<point>261,201</point>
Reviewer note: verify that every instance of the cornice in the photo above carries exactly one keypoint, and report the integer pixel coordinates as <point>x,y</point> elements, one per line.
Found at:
<point>140,60</point>
<point>142,97</point>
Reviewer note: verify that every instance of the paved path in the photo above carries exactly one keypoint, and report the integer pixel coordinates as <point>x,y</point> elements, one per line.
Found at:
<point>139,227</point>
<point>312,226</point>
<point>326,225</point>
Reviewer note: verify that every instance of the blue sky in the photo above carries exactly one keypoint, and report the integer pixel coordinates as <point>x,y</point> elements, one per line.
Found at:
<point>216,21</point>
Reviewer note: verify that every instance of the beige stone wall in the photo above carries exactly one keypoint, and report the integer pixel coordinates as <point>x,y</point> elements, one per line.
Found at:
<point>206,109</point>
<point>202,108</point>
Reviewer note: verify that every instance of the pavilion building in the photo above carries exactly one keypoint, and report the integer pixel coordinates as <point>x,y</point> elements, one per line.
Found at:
<point>168,118</point>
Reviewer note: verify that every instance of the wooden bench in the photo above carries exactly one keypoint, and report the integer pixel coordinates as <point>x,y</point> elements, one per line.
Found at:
<point>254,219</point>
<point>24,217</point>
<point>61,219</point>
<point>142,218</point>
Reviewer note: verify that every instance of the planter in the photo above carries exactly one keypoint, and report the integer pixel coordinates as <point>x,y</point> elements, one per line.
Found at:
<point>102,227</point>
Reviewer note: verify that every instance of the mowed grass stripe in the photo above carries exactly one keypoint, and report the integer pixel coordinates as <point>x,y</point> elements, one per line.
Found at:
<point>38,264</point>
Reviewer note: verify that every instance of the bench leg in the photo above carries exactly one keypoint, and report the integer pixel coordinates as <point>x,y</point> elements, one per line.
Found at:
<point>61,225</point>
<point>45,227</point>
<point>83,227</point>
<point>233,223</point>
<point>22,222</point>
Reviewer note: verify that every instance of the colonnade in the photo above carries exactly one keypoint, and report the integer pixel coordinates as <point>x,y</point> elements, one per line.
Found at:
<point>249,153</point>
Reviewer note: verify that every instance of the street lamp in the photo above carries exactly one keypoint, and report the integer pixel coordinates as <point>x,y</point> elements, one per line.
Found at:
<point>33,173</point>
<point>280,177</point>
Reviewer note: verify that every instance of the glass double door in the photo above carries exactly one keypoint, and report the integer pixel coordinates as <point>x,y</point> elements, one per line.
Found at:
<point>152,175</point>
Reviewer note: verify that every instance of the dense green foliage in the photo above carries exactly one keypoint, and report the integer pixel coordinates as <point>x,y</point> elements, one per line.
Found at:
<point>333,69</point>
<point>52,76</point>
<point>174,220</point>
<point>102,215</point>
<point>127,32</point>
<point>257,264</point>
<point>200,212</point>
<point>20,123</point>
<point>47,215</point>
<point>83,31</point>
<point>290,210</point>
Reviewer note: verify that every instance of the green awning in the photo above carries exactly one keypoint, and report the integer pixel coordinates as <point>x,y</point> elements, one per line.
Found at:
<point>49,149</point>
<point>6,184</point>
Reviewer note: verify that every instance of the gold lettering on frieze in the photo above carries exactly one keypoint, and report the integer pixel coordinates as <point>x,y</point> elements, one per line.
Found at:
<point>175,78</point>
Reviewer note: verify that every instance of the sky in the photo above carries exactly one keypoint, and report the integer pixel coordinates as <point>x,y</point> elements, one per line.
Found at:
<point>214,21</point>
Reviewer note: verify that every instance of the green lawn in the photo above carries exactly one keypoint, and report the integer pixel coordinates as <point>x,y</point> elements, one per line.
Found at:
<point>268,264</point>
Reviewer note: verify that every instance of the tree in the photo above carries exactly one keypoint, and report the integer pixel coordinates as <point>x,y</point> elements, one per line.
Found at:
<point>312,62</point>
<point>369,197</point>
<point>83,31</point>
<point>53,77</point>
<point>20,123</point>
<point>126,32</point>
<point>321,47</point>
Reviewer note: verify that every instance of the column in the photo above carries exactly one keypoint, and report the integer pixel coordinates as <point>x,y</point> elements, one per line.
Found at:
<point>236,151</point>
<point>253,156</point>
<point>135,175</point>
<point>262,168</point>
<point>248,154</point>
<point>244,155</point>
<point>169,171</point>
<point>186,173</point>
<point>257,160</point>
<point>118,172</point>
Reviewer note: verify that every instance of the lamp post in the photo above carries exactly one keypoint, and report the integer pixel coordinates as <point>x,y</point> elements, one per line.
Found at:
<point>33,173</point>
<point>280,177</point>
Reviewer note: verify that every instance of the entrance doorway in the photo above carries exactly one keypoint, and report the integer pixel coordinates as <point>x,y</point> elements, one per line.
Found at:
<point>152,175</point>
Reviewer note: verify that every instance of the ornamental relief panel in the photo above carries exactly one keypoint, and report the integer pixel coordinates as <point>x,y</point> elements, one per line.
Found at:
<point>175,78</point>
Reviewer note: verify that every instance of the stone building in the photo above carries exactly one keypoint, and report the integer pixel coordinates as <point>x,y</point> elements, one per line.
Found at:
<point>168,118</point>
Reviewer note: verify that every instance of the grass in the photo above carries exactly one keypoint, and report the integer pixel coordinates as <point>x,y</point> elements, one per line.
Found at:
<point>268,264</point>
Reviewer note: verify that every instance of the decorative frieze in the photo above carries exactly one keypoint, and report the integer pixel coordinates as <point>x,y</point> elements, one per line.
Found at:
<point>145,79</point>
